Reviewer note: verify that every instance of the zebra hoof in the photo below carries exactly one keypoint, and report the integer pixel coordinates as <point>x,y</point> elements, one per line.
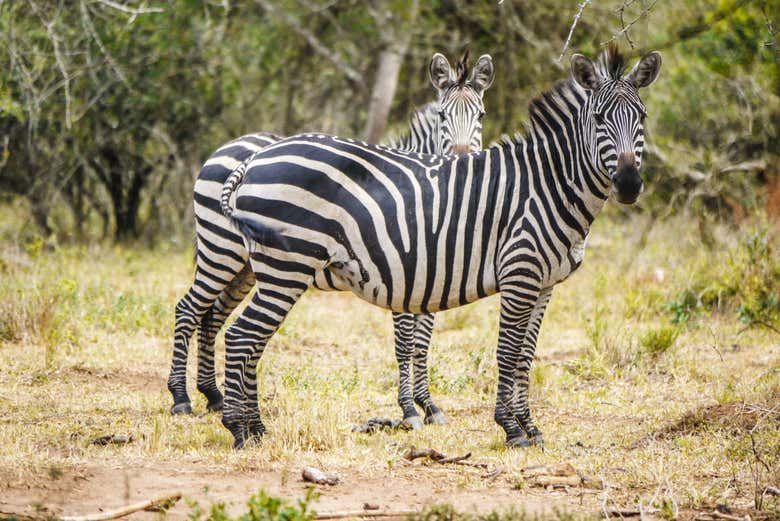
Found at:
<point>239,443</point>
<point>521,441</point>
<point>415,422</point>
<point>436,418</point>
<point>181,408</point>
<point>535,437</point>
<point>215,406</point>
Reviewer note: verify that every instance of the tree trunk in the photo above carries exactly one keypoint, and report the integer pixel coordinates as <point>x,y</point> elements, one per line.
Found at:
<point>390,61</point>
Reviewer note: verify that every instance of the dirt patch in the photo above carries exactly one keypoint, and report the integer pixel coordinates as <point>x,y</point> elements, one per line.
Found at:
<point>733,417</point>
<point>415,487</point>
<point>132,379</point>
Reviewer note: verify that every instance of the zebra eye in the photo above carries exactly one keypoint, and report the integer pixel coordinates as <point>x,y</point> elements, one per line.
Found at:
<point>644,115</point>
<point>481,115</point>
<point>599,118</point>
<point>442,115</point>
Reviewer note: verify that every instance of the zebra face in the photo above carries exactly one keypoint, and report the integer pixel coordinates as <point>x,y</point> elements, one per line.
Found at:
<point>461,109</point>
<point>614,116</point>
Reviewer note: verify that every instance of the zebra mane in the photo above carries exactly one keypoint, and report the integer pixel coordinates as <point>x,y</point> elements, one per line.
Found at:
<point>611,62</point>
<point>463,70</point>
<point>564,100</point>
<point>419,116</point>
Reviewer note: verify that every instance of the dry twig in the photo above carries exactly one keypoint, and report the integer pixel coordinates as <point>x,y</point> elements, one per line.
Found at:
<point>364,513</point>
<point>436,456</point>
<point>577,17</point>
<point>156,504</point>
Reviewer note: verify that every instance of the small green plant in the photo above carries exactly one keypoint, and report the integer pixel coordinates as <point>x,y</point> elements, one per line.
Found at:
<point>260,507</point>
<point>656,341</point>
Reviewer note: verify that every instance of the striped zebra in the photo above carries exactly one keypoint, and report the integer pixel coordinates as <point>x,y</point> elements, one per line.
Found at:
<point>420,233</point>
<point>223,276</point>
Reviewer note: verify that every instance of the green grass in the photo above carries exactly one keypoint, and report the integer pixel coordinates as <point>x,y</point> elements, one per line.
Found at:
<point>85,341</point>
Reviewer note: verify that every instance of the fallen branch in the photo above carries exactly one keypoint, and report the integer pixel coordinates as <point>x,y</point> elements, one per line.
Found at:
<point>772,491</point>
<point>155,505</point>
<point>436,456</point>
<point>364,513</point>
<point>628,513</point>
<point>163,502</point>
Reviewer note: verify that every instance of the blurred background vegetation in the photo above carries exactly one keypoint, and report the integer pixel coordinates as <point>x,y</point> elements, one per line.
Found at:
<point>108,108</point>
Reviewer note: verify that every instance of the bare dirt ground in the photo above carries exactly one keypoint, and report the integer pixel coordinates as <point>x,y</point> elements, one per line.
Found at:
<point>95,488</point>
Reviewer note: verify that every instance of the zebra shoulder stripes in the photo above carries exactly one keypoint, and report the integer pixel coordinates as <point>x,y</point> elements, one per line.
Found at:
<point>422,233</point>
<point>223,277</point>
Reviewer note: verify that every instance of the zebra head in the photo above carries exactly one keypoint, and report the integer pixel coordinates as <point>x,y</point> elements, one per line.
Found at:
<point>459,126</point>
<point>613,116</point>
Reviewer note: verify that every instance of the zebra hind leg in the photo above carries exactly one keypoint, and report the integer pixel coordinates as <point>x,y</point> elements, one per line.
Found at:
<point>245,342</point>
<point>189,311</point>
<point>210,325</point>
<point>423,328</point>
<point>404,325</point>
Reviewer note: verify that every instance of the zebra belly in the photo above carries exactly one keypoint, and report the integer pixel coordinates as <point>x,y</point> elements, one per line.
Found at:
<point>569,264</point>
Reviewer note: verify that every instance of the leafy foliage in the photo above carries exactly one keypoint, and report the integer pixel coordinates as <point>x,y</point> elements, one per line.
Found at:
<point>260,507</point>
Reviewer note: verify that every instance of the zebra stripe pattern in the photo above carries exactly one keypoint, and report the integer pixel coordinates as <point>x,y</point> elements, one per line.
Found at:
<point>223,277</point>
<point>416,233</point>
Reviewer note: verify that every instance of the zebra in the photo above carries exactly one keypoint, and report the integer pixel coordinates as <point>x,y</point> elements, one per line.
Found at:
<point>223,276</point>
<point>421,233</point>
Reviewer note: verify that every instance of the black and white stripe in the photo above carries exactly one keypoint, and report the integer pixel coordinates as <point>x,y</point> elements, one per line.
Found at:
<point>416,233</point>
<point>223,277</point>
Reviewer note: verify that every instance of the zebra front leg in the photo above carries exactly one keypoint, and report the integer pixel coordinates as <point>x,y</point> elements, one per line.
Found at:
<point>522,410</point>
<point>210,325</point>
<point>404,325</point>
<point>423,329</point>
<point>245,342</point>
<point>516,308</point>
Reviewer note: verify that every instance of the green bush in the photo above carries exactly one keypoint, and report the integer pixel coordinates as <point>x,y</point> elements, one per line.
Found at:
<point>260,507</point>
<point>743,279</point>
<point>656,341</point>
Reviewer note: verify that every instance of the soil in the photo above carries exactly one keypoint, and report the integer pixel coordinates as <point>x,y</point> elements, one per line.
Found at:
<point>98,488</point>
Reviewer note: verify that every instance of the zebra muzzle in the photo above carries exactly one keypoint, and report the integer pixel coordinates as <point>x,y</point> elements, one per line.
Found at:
<point>627,183</point>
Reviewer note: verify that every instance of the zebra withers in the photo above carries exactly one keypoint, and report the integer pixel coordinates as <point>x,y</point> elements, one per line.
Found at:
<point>223,277</point>
<point>423,233</point>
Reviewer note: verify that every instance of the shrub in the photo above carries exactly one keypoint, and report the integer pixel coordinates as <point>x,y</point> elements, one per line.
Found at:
<point>260,507</point>
<point>656,341</point>
<point>744,280</point>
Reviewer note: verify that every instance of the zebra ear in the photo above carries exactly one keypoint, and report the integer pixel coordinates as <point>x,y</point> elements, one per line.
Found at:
<point>440,72</point>
<point>584,72</point>
<point>646,70</point>
<point>484,72</point>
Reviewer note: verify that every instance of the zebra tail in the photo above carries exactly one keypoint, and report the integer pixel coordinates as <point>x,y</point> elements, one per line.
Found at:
<point>231,183</point>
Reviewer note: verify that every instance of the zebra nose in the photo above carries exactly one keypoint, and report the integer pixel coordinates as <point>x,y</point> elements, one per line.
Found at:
<point>626,159</point>
<point>460,149</point>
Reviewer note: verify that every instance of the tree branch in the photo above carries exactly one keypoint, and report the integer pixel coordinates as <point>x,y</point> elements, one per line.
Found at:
<point>352,75</point>
<point>577,17</point>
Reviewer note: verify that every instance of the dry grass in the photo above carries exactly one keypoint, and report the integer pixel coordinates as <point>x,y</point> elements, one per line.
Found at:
<point>676,416</point>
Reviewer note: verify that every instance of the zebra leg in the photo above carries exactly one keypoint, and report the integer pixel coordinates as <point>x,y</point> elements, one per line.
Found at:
<point>245,340</point>
<point>210,325</point>
<point>522,373</point>
<point>423,328</point>
<point>404,326</point>
<point>189,312</point>
<point>516,308</point>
